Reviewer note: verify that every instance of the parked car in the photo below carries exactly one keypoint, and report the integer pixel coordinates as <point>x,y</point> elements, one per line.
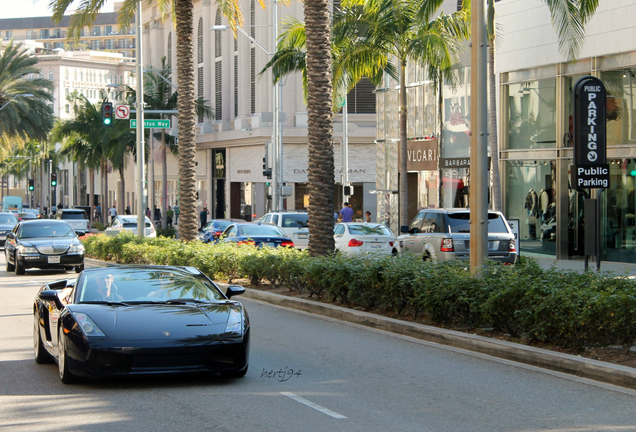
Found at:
<point>357,237</point>
<point>214,228</point>
<point>43,244</point>
<point>293,224</point>
<point>129,223</point>
<point>256,234</point>
<point>444,234</point>
<point>76,218</point>
<point>23,215</point>
<point>7,223</point>
<point>168,320</point>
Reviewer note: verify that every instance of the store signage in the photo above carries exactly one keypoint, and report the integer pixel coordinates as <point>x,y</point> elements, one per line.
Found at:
<point>421,155</point>
<point>457,162</point>
<point>590,149</point>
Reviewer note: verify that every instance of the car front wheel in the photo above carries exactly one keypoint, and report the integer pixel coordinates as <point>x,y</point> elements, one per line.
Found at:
<point>19,270</point>
<point>10,267</point>
<point>66,376</point>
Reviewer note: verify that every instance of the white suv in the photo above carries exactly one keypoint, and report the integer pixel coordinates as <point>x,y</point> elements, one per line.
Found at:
<point>293,223</point>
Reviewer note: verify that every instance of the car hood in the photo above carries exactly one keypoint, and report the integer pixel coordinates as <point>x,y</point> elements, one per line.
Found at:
<point>50,245</point>
<point>159,322</point>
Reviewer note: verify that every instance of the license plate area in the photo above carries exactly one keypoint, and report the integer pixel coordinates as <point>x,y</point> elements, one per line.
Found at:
<point>303,235</point>
<point>54,259</point>
<point>376,245</point>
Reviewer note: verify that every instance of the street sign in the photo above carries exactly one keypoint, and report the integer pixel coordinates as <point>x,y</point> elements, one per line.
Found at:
<point>590,150</point>
<point>152,124</point>
<point>122,112</point>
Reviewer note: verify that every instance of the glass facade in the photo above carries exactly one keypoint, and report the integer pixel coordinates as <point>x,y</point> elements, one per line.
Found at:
<point>530,198</point>
<point>531,114</point>
<point>621,113</point>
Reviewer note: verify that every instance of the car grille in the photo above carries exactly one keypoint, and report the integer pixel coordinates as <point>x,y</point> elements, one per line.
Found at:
<point>52,250</point>
<point>167,361</point>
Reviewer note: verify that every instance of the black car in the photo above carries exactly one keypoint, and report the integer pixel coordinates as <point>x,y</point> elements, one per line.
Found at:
<point>138,320</point>
<point>7,223</point>
<point>43,243</point>
<point>214,228</point>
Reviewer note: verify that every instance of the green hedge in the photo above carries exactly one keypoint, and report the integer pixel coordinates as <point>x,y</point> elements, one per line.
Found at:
<point>565,308</point>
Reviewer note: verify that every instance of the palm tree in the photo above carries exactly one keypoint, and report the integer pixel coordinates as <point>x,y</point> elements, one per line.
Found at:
<point>159,95</point>
<point>406,31</point>
<point>22,118</point>
<point>181,11</point>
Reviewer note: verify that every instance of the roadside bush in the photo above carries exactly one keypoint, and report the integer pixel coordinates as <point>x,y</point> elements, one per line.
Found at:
<point>169,232</point>
<point>564,308</point>
<point>99,226</point>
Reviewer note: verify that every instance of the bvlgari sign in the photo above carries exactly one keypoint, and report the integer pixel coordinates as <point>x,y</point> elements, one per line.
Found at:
<point>590,151</point>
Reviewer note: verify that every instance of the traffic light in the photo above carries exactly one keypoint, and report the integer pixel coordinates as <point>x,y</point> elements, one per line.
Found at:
<point>267,172</point>
<point>107,114</point>
<point>53,179</point>
<point>31,184</point>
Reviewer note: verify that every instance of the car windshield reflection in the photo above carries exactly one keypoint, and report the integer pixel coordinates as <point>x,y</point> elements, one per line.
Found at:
<point>52,230</point>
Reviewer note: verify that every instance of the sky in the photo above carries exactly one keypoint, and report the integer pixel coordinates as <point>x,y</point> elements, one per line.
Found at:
<point>34,8</point>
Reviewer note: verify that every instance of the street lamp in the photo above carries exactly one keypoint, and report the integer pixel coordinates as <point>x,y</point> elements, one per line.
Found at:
<point>14,97</point>
<point>277,93</point>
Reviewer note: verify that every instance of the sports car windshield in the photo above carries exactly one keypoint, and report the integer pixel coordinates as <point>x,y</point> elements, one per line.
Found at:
<point>137,285</point>
<point>46,230</point>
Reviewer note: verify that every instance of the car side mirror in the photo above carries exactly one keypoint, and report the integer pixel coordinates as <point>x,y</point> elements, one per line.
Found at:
<point>10,236</point>
<point>51,296</point>
<point>404,229</point>
<point>80,233</point>
<point>234,290</point>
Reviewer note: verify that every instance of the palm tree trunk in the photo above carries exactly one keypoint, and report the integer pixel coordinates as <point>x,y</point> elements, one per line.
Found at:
<point>164,182</point>
<point>186,105</point>
<point>404,183</point>
<point>320,175</point>
<point>495,179</point>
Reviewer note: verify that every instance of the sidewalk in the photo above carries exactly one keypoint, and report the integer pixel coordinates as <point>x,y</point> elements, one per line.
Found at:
<point>615,267</point>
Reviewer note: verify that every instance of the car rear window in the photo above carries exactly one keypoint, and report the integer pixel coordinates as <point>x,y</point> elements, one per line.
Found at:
<point>369,230</point>
<point>134,224</point>
<point>295,220</point>
<point>7,219</point>
<point>261,230</point>
<point>459,223</point>
<point>73,215</point>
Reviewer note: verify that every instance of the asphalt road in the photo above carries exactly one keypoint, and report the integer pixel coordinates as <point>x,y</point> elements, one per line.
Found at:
<point>346,378</point>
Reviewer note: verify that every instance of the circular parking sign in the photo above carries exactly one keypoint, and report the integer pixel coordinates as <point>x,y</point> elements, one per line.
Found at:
<point>122,112</point>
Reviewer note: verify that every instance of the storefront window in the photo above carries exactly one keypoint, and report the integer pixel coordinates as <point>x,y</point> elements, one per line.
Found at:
<point>530,198</point>
<point>428,191</point>
<point>531,115</point>
<point>455,188</point>
<point>618,209</point>
<point>621,112</point>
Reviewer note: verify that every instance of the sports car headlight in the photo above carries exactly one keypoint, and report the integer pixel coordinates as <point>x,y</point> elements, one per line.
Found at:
<point>234,322</point>
<point>23,250</point>
<point>88,326</point>
<point>76,250</point>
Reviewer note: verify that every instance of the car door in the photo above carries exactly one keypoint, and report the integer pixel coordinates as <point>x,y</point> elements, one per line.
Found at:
<point>412,242</point>
<point>435,232</point>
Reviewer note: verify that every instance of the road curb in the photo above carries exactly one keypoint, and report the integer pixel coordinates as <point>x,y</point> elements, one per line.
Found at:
<point>580,366</point>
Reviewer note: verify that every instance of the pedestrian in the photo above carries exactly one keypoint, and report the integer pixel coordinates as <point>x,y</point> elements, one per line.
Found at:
<point>176,215</point>
<point>127,211</point>
<point>94,212</point>
<point>203,216</point>
<point>169,214</point>
<point>99,211</point>
<point>147,212</point>
<point>113,213</point>
<point>346,214</point>
<point>367,216</point>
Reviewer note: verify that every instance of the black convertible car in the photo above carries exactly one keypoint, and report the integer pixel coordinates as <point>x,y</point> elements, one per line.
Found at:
<point>140,320</point>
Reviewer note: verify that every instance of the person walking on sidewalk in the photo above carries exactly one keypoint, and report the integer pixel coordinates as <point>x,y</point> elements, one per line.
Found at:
<point>169,214</point>
<point>346,214</point>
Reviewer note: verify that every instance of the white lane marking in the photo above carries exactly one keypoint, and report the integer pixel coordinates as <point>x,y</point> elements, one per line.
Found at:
<point>315,406</point>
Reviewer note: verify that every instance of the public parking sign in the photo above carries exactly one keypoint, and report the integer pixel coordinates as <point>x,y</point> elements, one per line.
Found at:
<point>590,149</point>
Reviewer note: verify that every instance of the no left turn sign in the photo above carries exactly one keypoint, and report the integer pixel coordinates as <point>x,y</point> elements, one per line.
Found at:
<point>122,112</point>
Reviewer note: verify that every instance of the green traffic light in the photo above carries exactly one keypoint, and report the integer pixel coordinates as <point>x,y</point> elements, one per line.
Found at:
<point>107,121</point>
<point>633,173</point>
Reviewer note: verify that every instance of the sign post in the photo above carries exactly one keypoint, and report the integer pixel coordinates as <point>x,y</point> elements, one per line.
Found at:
<point>590,155</point>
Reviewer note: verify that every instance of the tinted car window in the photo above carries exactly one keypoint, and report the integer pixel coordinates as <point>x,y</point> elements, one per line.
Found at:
<point>7,219</point>
<point>46,230</point>
<point>73,215</point>
<point>417,222</point>
<point>459,223</point>
<point>138,285</point>
<point>369,230</point>
<point>261,230</point>
<point>295,220</point>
